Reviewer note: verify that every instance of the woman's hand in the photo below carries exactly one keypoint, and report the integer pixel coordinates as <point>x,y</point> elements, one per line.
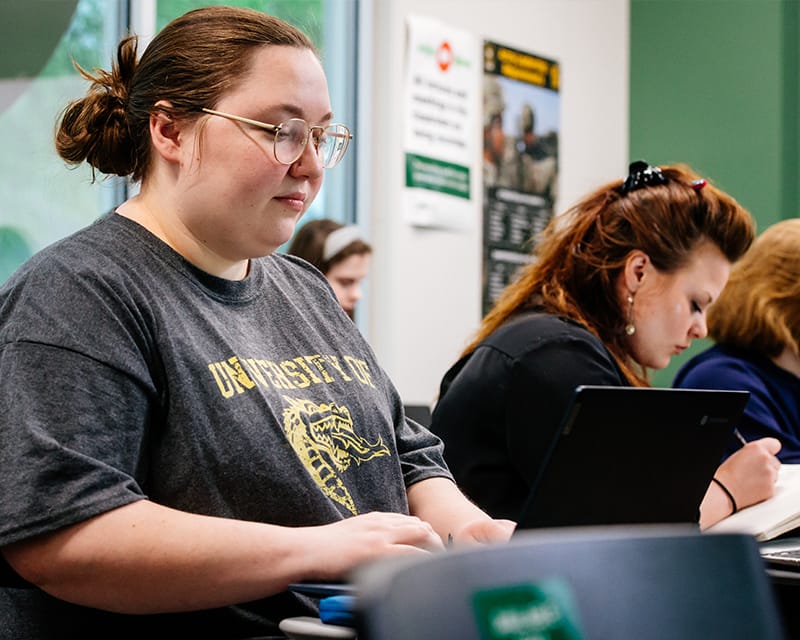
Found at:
<point>749,475</point>
<point>485,531</point>
<point>453,516</point>
<point>335,549</point>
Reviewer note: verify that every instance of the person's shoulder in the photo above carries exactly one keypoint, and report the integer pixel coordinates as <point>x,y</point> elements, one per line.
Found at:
<point>497,352</point>
<point>300,273</point>
<point>536,328</point>
<point>715,363</point>
<point>298,270</point>
<point>720,354</point>
<point>292,264</point>
<point>72,253</point>
<point>67,286</point>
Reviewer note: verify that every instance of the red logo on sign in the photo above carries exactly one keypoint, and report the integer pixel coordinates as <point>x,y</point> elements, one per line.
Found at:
<point>444,56</point>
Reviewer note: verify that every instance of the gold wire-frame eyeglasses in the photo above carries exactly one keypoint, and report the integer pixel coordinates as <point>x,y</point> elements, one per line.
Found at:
<point>292,136</point>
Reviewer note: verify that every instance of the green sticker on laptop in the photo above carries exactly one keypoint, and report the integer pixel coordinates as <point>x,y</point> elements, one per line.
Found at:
<point>543,610</point>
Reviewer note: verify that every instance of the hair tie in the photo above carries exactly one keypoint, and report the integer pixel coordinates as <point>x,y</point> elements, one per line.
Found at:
<point>338,240</point>
<point>698,184</point>
<point>727,492</point>
<point>641,174</point>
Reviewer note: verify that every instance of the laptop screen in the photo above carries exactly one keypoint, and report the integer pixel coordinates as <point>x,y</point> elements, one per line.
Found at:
<point>626,455</point>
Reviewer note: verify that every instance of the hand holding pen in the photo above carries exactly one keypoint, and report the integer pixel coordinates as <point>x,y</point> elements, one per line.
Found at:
<point>748,475</point>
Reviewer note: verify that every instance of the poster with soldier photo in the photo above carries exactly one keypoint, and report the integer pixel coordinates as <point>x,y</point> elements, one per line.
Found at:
<point>520,159</point>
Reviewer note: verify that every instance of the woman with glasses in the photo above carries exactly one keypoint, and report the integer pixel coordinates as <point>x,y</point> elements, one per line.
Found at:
<point>621,283</point>
<point>188,423</point>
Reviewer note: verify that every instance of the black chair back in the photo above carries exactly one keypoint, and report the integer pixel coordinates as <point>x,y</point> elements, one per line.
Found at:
<point>655,582</point>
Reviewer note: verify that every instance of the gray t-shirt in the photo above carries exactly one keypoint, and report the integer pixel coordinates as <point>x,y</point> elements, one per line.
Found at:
<point>128,373</point>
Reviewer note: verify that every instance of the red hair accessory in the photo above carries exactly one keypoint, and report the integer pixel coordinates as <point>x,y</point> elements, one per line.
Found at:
<point>698,184</point>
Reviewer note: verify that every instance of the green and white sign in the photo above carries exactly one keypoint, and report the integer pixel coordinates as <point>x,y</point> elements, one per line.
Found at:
<point>440,122</point>
<point>537,611</point>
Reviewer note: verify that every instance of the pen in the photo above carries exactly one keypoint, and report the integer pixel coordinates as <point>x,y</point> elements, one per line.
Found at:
<point>740,437</point>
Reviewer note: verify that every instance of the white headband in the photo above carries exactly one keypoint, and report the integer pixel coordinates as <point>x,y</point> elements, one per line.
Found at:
<point>338,240</point>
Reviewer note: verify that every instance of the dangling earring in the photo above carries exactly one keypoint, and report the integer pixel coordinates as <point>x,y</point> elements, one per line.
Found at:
<point>630,329</point>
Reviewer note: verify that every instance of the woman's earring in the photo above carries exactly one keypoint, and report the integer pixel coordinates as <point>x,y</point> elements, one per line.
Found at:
<point>630,329</point>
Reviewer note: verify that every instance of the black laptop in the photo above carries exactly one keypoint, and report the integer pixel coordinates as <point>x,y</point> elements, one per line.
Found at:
<point>630,455</point>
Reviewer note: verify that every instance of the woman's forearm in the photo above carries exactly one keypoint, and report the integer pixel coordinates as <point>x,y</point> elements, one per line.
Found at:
<point>146,558</point>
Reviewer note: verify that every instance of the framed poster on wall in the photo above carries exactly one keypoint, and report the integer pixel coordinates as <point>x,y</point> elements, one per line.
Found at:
<point>520,159</point>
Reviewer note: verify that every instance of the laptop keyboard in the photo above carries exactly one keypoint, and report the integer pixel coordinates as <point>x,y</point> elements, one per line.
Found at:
<point>790,557</point>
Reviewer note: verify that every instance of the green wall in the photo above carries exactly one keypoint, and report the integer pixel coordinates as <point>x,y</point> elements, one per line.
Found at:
<point>714,83</point>
<point>29,31</point>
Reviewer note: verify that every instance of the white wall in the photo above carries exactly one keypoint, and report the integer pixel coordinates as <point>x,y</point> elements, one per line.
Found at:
<point>425,287</point>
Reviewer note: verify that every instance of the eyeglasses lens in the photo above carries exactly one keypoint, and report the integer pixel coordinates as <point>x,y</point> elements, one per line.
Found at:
<point>333,144</point>
<point>291,138</point>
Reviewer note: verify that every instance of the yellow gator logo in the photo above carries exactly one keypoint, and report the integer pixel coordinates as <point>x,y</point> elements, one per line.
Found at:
<point>323,437</point>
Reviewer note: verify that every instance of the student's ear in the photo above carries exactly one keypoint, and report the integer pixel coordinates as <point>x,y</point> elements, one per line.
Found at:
<point>637,265</point>
<point>165,132</point>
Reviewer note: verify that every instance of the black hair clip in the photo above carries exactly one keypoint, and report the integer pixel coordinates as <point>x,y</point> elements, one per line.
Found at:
<point>641,174</point>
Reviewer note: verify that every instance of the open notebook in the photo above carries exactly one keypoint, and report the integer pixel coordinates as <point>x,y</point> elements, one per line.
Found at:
<point>626,455</point>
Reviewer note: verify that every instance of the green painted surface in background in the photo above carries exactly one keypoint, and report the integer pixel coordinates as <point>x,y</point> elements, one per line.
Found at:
<point>714,83</point>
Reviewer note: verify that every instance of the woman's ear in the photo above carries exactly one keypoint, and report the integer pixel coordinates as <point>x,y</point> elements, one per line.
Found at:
<point>165,133</point>
<point>636,266</point>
